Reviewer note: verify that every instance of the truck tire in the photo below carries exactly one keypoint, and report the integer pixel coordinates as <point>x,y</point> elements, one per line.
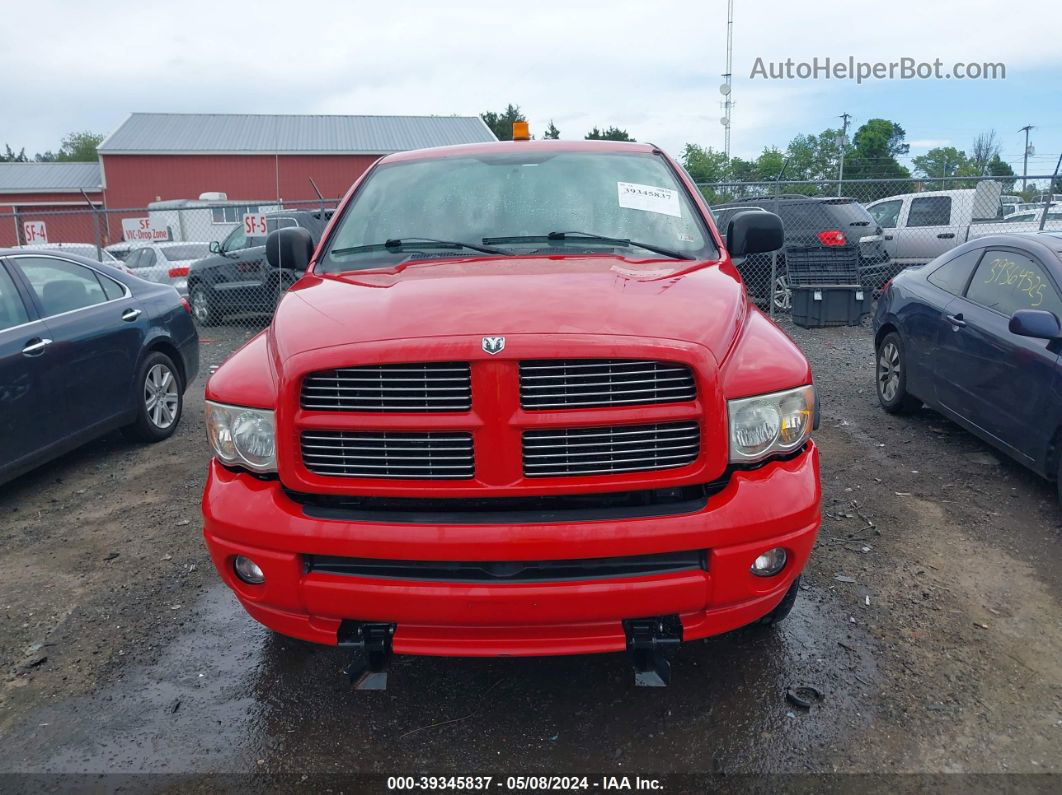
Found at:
<point>204,306</point>
<point>890,376</point>
<point>159,395</point>
<point>784,608</point>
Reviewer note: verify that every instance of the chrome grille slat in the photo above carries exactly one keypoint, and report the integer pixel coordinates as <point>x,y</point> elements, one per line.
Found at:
<point>428,387</point>
<point>677,377</point>
<point>534,447</point>
<point>607,433</point>
<point>579,365</point>
<point>598,451</point>
<point>530,456</point>
<point>398,455</point>
<point>578,383</point>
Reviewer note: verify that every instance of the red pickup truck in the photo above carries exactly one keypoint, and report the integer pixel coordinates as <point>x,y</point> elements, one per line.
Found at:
<point>519,404</point>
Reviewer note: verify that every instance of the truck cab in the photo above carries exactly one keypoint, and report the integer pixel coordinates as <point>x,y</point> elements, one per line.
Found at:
<point>918,227</point>
<point>520,404</point>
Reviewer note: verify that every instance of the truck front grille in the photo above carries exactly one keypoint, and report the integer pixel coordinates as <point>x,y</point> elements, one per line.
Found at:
<point>433,455</point>
<point>512,572</point>
<point>424,387</point>
<point>588,383</point>
<point>606,451</point>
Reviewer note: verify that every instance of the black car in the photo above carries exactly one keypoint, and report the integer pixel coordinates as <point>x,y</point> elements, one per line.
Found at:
<point>976,334</point>
<point>822,235</point>
<point>86,348</point>
<point>237,278</point>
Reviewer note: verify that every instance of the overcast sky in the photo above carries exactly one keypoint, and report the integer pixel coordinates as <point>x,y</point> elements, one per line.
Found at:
<point>650,67</point>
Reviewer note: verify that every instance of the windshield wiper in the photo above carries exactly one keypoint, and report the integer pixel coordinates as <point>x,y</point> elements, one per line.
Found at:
<point>395,244</point>
<point>614,241</point>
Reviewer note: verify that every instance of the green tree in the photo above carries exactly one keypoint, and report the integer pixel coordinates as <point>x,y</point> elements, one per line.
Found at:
<point>704,164</point>
<point>80,146</point>
<point>944,161</point>
<point>813,157</point>
<point>552,133</point>
<point>873,155</point>
<point>501,124</point>
<point>611,134</point>
<point>10,156</point>
<point>769,164</point>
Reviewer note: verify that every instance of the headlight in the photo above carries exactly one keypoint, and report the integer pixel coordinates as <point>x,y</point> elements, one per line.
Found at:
<point>768,424</point>
<point>243,437</point>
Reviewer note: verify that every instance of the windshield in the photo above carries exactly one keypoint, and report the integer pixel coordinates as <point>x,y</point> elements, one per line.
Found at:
<point>625,196</point>
<point>186,251</point>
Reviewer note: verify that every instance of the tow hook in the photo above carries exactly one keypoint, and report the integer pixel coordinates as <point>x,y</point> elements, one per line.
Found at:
<point>371,653</point>
<point>650,641</point>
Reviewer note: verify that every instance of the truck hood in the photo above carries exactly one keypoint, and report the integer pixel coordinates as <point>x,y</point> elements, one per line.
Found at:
<point>696,302</point>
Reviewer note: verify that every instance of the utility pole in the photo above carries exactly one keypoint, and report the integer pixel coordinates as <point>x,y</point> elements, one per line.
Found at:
<point>844,144</point>
<point>1025,164</point>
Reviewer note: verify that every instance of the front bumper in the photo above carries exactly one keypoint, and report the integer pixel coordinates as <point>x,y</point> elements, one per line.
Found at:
<point>775,505</point>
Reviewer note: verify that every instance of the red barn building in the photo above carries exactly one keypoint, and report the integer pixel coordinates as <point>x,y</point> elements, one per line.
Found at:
<point>52,193</point>
<point>249,157</point>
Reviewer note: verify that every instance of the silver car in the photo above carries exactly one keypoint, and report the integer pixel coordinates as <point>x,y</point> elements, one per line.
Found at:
<point>167,262</point>
<point>81,249</point>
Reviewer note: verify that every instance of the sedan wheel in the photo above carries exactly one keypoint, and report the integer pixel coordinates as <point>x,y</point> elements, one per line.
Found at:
<point>891,377</point>
<point>889,370</point>
<point>159,399</point>
<point>160,396</point>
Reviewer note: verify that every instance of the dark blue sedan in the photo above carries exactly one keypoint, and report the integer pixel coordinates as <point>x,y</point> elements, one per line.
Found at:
<point>976,335</point>
<point>84,349</point>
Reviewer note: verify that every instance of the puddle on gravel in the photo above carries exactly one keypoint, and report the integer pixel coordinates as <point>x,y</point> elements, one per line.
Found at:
<point>229,696</point>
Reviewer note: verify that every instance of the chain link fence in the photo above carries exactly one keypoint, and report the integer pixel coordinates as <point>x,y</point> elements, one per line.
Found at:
<point>861,233</point>
<point>212,252</point>
<point>853,234</point>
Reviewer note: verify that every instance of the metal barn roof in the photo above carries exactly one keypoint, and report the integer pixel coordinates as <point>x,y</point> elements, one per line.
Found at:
<point>230,133</point>
<point>49,177</point>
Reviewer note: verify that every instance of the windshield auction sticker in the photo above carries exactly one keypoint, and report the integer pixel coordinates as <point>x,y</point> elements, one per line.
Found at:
<point>645,197</point>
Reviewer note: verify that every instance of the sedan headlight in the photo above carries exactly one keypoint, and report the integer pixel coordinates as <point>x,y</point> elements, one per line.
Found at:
<point>243,437</point>
<point>769,424</point>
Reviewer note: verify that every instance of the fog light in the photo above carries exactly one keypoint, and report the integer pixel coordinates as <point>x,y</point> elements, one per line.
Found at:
<point>248,571</point>
<point>769,563</point>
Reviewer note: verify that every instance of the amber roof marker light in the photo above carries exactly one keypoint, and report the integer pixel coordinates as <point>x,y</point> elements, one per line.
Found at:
<point>521,131</point>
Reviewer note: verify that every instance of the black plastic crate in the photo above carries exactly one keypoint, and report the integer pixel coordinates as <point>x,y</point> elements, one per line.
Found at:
<point>816,306</point>
<point>822,266</point>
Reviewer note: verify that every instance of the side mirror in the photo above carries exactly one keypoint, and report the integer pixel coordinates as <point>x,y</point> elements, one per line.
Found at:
<point>754,232</point>
<point>215,247</point>
<point>1035,323</point>
<point>290,248</point>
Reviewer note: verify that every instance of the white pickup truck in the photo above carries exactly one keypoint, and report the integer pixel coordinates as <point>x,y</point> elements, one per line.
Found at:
<point>918,227</point>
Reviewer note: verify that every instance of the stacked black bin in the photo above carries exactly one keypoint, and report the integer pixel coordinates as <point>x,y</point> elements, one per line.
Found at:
<point>825,286</point>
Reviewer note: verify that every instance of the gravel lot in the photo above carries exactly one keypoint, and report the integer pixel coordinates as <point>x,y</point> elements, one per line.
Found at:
<point>930,620</point>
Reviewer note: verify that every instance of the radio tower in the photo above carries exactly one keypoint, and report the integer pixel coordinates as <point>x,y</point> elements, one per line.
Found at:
<point>726,88</point>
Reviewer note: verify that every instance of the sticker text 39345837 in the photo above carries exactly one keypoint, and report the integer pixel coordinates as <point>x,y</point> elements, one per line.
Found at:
<point>648,198</point>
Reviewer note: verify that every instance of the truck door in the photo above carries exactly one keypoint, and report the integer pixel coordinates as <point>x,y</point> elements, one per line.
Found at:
<point>928,231</point>
<point>887,214</point>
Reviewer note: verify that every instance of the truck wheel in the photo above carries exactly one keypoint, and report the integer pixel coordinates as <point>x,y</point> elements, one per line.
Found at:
<point>204,307</point>
<point>159,400</point>
<point>891,377</point>
<point>784,608</point>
